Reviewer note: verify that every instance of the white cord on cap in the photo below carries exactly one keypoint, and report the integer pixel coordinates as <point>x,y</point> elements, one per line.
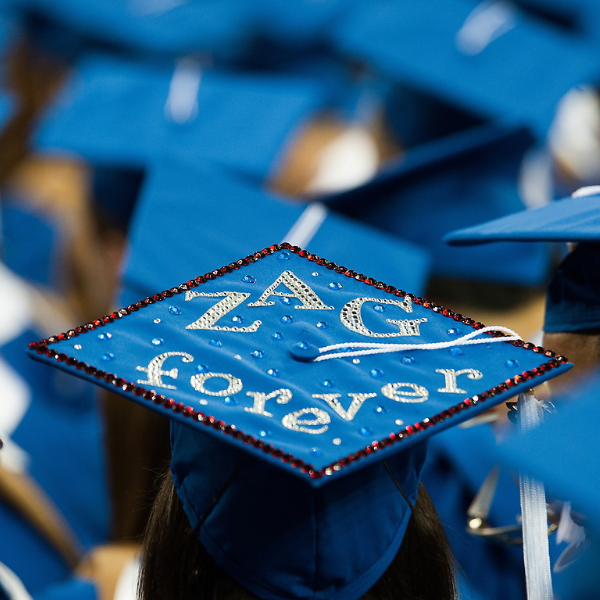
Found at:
<point>381,348</point>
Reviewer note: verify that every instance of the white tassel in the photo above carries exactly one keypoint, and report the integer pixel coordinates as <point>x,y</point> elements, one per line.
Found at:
<point>536,550</point>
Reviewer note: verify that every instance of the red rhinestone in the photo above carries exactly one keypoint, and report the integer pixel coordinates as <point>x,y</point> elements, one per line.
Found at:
<point>70,361</point>
<point>350,273</point>
<point>410,429</point>
<point>323,262</point>
<point>313,257</point>
<point>294,249</point>
<point>168,403</point>
<point>285,245</point>
<point>127,387</point>
<point>178,407</point>
<point>370,281</point>
<point>100,374</point>
<point>303,253</point>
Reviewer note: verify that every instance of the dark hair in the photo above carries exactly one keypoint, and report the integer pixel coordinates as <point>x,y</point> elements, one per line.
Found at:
<point>176,565</point>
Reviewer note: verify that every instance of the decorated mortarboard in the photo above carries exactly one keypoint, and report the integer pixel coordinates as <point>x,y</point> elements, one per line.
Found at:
<point>299,393</point>
<point>491,58</point>
<point>445,184</point>
<point>191,216</point>
<point>122,113</point>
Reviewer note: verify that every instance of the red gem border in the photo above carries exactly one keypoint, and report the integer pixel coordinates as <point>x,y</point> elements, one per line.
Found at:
<point>163,401</point>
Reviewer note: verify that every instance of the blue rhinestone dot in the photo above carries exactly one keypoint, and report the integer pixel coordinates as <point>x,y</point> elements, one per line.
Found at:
<point>273,372</point>
<point>511,362</point>
<point>108,356</point>
<point>453,331</point>
<point>381,410</point>
<point>257,354</point>
<point>287,319</point>
<point>287,300</point>
<point>322,325</point>
<point>303,345</point>
<point>174,310</point>
<point>365,431</point>
<point>379,308</point>
<point>285,255</point>
<point>229,401</point>
<point>327,383</point>
<point>376,373</point>
<point>157,341</point>
<point>216,343</point>
<point>456,351</point>
<point>277,335</point>
<point>407,360</point>
<point>334,285</point>
<point>264,433</point>
<point>248,279</point>
<point>104,336</point>
<point>202,369</point>
<point>316,452</point>
<point>237,319</point>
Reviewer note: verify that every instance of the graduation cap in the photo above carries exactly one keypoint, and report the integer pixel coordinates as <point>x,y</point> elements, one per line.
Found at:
<point>303,389</point>
<point>221,28</point>
<point>122,113</point>
<point>491,58</point>
<point>464,178</point>
<point>223,215</point>
<point>570,473</point>
<point>573,300</point>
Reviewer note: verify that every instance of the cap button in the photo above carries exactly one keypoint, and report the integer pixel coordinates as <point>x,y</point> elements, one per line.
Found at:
<point>304,352</point>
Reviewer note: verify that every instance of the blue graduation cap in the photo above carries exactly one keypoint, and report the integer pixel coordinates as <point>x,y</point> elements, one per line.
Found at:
<point>573,300</point>
<point>463,178</point>
<point>192,216</point>
<point>115,112</point>
<point>306,389</point>
<point>221,28</point>
<point>29,243</point>
<point>491,58</point>
<point>570,472</point>
<point>573,219</point>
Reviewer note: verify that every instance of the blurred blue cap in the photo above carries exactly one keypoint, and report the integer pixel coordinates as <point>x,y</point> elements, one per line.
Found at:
<point>225,215</point>
<point>305,392</point>
<point>573,219</point>
<point>489,57</point>
<point>570,472</point>
<point>122,113</point>
<point>573,299</point>
<point>220,28</point>
<point>464,178</point>
<point>29,243</point>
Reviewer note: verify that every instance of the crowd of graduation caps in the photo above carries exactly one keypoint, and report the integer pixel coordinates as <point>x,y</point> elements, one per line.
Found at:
<point>147,141</point>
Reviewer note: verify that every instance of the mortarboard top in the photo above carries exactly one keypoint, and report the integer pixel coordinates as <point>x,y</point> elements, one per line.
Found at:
<point>573,299</point>
<point>237,359</point>
<point>169,27</point>
<point>573,219</point>
<point>489,57</point>
<point>227,215</point>
<point>448,182</point>
<point>121,113</point>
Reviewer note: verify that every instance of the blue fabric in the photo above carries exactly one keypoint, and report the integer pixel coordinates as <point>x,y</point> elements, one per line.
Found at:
<point>62,436</point>
<point>72,589</point>
<point>494,60</point>
<point>115,112</point>
<point>205,217</point>
<point>261,402</point>
<point>29,244</point>
<point>570,471</point>
<point>464,178</point>
<point>291,540</point>
<point>573,298</point>
<point>222,28</point>
<point>567,220</point>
